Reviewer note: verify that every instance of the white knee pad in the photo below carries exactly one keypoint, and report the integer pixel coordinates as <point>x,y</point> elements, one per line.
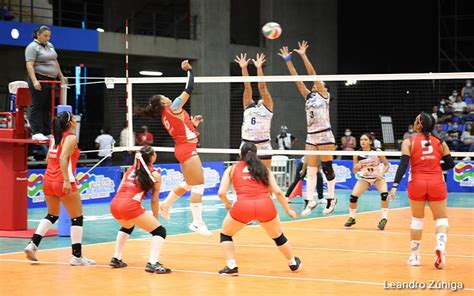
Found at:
<point>416,223</point>
<point>186,186</point>
<point>198,189</point>
<point>442,222</point>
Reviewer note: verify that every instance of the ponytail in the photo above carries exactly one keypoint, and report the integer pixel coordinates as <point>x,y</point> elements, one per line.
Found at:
<point>257,169</point>
<point>142,174</point>
<point>427,123</point>
<point>60,125</point>
<point>153,109</point>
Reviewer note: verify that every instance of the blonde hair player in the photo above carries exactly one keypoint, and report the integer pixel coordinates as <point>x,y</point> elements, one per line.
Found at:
<point>257,117</point>
<point>370,174</point>
<point>320,136</point>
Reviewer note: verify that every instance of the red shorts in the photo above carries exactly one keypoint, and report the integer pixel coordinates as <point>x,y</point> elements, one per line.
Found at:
<point>427,190</point>
<point>246,210</point>
<point>185,151</point>
<point>51,188</point>
<point>126,208</point>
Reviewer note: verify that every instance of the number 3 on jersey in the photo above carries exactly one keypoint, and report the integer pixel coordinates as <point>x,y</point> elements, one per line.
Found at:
<point>426,149</point>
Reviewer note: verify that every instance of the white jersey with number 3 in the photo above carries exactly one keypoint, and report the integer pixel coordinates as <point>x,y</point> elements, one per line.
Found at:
<point>257,123</point>
<point>317,112</point>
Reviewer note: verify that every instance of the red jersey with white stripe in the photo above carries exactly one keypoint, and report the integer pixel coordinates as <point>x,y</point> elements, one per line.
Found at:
<point>245,186</point>
<point>179,125</point>
<point>425,160</point>
<point>130,188</point>
<point>53,171</point>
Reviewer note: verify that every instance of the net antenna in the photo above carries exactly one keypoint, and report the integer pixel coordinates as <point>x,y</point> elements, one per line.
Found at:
<point>128,94</point>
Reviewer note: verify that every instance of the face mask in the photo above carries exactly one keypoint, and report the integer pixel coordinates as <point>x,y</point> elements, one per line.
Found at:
<point>455,127</point>
<point>347,133</point>
<point>410,130</point>
<point>455,93</point>
<point>442,102</point>
<point>468,85</point>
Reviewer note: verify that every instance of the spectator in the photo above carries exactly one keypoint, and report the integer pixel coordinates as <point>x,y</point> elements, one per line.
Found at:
<point>453,138</point>
<point>448,113</point>
<point>442,105</point>
<point>438,131</point>
<point>285,140</point>
<point>105,143</point>
<point>459,105</point>
<point>348,142</point>
<point>411,132</point>
<point>5,14</point>
<point>41,64</point>
<point>144,137</point>
<point>467,140</point>
<point>467,90</point>
<point>127,155</point>
<point>438,115</point>
<point>377,144</point>
<point>453,96</point>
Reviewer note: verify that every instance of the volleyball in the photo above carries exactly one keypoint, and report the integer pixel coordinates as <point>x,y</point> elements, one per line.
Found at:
<point>271,30</point>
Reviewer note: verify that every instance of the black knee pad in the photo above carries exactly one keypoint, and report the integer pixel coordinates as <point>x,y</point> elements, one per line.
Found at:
<point>78,221</point>
<point>226,238</point>
<point>353,199</point>
<point>281,240</point>
<point>328,170</point>
<point>383,196</point>
<point>160,231</point>
<point>127,230</point>
<point>51,218</point>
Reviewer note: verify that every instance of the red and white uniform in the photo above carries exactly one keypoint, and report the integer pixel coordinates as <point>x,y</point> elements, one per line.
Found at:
<point>182,130</point>
<point>426,180</point>
<point>127,202</point>
<point>253,198</point>
<point>53,177</point>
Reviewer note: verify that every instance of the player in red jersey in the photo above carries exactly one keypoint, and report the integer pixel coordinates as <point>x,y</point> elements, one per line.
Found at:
<point>60,186</point>
<point>428,157</point>
<point>253,183</point>
<point>127,209</point>
<point>182,128</point>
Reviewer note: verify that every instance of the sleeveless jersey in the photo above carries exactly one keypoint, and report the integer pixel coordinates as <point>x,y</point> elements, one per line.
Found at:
<point>317,113</point>
<point>370,166</point>
<point>257,123</point>
<point>53,170</point>
<point>425,160</point>
<point>179,125</point>
<point>130,188</point>
<point>245,186</point>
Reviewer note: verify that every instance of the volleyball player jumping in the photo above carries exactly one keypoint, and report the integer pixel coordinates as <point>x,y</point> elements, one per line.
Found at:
<point>183,131</point>
<point>257,120</point>
<point>320,136</point>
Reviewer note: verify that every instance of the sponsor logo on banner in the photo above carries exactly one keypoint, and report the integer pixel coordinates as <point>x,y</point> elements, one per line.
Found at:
<point>342,173</point>
<point>464,174</point>
<point>92,186</point>
<point>35,188</point>
<point>172,177</point>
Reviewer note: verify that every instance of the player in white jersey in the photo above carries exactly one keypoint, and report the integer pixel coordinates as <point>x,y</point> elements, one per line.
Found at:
<point>257,117</point>
<point>320,136</point>
<point>367,167</point>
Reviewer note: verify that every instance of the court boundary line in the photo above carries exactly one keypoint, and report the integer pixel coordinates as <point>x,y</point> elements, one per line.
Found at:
<point>178,234</point>
<point>316,248</point>
<point>214,273</point>
<point>353,230</point>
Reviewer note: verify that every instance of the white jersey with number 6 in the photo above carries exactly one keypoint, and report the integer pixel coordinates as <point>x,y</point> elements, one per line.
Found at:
<point>257,123</point>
